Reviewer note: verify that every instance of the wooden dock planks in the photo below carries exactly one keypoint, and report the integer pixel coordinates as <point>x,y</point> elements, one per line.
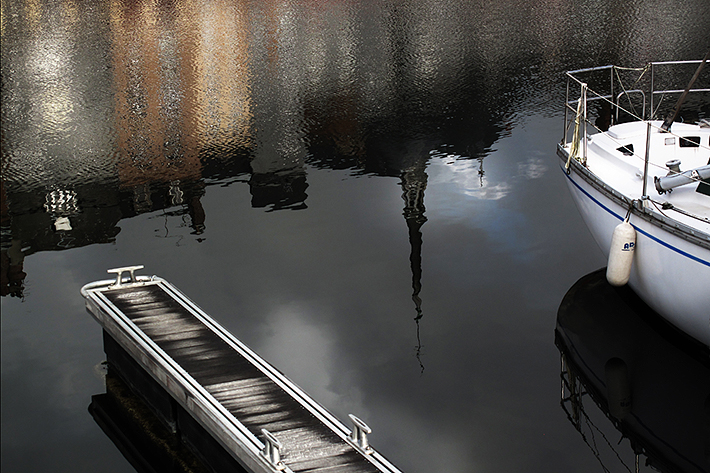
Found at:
<point>253,393</point>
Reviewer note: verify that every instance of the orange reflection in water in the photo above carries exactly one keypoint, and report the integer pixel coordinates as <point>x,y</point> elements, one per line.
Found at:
<point>181,83</point>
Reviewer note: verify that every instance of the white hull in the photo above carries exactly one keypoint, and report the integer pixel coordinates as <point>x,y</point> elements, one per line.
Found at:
<point>622,163</point>
<point>670,273</point>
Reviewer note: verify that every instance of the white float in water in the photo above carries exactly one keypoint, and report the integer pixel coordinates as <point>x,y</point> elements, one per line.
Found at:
<point>621,254</point>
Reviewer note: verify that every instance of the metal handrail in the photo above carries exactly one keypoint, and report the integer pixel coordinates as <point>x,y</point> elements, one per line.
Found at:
<point>648,97</point>
<point>266,452</point>
<point>627,92</point>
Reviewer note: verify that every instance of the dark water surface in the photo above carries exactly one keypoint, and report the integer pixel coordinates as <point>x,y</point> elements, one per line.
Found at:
<point>364,192</point>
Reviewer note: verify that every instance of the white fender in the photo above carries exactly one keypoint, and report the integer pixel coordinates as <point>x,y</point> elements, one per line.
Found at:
<point>621,254</point>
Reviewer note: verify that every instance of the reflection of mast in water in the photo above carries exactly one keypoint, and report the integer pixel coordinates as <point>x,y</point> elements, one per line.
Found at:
<point>413,185</point>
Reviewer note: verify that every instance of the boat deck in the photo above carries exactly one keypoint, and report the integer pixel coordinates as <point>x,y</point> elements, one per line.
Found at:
<point>258,415</point>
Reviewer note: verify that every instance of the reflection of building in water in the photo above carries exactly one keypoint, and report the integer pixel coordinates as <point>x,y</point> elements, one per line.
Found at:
<point>182,93</point>
<point>413,181</point>
<point>279,190</point>
<point>54,97</point>
<point>11,258</point>
<point>149,113</point>
<point>55,139</point>
<point>178,198</point>
<point>185,96</point>
<point>651,381</point>
<point>413,187</point>
<point>278,156</point>
<point>13,277</point>
<point>168,94</point>
<point>56,221</point>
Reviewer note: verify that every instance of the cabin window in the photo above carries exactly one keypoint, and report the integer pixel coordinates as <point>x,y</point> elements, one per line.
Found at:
<point>690,142</point>
<point>670,141</point>
<point>627,150</point>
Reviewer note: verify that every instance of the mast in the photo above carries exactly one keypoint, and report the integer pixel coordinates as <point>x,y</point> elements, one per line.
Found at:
<point>671,118</point>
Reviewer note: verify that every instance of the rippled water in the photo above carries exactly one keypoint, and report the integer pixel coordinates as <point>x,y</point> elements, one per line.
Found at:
<point>365,192</point>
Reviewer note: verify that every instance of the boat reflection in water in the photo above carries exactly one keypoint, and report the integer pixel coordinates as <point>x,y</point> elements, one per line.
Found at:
<point>651,383</point>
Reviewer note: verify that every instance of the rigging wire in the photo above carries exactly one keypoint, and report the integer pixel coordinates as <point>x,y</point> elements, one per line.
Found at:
<point>632,113</point>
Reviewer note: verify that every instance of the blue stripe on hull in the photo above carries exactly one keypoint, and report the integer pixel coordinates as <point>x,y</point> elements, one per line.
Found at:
<point>656,239</point>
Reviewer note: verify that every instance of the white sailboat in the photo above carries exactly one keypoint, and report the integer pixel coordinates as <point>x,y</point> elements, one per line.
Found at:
<point>643,186</point>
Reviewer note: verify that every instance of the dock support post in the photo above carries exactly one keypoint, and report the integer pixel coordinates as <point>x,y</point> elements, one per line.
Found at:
<point>359,434</point>
<point>272,449</point>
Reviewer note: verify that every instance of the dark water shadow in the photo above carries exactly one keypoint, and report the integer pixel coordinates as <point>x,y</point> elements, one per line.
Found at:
<point>651,382</point>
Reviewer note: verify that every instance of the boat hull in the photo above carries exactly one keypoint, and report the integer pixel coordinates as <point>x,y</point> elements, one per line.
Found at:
<point>669,272</point>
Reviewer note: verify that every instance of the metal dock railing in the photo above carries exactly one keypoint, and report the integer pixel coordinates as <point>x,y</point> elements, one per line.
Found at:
<point>266,422</point>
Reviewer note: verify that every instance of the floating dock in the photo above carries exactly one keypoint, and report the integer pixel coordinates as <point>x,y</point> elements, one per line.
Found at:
<point>257,415</point>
